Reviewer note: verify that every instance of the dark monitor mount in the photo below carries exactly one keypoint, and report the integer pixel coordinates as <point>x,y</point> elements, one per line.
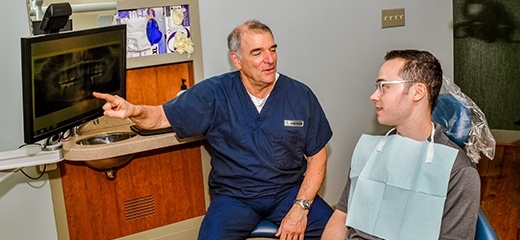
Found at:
<point>56,17</point>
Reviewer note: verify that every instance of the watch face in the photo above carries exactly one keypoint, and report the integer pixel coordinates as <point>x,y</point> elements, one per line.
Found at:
<point>305,204</point>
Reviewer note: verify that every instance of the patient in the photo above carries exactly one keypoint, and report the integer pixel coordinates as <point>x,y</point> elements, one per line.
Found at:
<point>412,183</point>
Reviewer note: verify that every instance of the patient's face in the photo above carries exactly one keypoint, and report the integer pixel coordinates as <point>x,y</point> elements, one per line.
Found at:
<point>393,105</point>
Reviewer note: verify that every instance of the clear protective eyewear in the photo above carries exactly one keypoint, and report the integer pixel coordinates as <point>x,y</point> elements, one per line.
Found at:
<point>381,84</point>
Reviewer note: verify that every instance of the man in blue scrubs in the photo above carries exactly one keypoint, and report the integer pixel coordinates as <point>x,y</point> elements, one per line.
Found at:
<point>267,132</point>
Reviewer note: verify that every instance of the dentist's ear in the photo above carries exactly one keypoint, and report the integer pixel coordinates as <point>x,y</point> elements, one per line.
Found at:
<point>235,59</point>
<point>419,91</point>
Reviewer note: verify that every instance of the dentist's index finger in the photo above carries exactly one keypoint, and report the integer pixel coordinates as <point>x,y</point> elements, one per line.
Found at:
<point>104,96</point>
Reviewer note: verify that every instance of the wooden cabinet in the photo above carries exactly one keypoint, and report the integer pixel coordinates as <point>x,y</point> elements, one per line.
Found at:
<point>156,188</point>
<point>157,85</point>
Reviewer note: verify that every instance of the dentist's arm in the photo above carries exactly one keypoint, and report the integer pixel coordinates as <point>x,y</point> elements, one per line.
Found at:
<point>295,221</point>
<point>145,116</point>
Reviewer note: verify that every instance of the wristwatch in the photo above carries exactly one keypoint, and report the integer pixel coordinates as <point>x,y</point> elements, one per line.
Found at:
<point>305,204</point>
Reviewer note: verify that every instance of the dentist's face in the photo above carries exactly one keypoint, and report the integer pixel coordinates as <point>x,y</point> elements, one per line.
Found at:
<point>257,63</point>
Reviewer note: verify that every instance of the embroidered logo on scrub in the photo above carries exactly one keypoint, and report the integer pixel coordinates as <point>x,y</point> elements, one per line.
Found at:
<point>293,123</point>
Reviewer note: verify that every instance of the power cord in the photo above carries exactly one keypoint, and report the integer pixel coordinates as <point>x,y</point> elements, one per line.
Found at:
<point>47,142</point>
<point>35,178</point>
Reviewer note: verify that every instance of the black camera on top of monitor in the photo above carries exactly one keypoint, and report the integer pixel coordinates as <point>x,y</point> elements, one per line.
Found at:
<point>56,17</point>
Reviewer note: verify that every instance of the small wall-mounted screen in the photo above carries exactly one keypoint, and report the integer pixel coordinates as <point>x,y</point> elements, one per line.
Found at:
<point>59,73</point>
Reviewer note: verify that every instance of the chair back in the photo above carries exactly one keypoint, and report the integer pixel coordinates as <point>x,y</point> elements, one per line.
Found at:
<point>484,229</point>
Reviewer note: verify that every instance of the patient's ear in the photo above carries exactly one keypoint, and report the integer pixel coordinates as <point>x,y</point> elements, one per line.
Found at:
<point>420,91</point>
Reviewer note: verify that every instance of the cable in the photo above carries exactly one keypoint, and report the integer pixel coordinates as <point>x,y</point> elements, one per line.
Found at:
<point>44,166</point>
<point>35,178</point>
<point>53,139</point>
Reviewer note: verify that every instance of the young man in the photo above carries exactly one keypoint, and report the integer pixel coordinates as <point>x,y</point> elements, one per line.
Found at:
<point>413,183</point>
<point>267,132</point>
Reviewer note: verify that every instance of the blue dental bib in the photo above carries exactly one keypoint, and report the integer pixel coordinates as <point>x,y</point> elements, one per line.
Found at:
<point>399,186</point>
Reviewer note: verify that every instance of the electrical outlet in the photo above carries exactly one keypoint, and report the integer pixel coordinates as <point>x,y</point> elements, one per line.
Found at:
<point>392,18</point>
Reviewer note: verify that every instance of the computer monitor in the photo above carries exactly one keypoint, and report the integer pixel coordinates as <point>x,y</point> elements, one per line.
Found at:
<point>61,70</point>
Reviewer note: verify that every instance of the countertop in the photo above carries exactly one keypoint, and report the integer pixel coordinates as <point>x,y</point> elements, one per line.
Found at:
<point>75,152</point>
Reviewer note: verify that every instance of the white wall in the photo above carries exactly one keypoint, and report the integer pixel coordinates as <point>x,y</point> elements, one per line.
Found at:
<point>25,206</point>
<point>335,47</point>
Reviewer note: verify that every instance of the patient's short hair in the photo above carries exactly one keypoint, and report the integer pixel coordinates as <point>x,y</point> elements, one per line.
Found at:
<point>420,66</point>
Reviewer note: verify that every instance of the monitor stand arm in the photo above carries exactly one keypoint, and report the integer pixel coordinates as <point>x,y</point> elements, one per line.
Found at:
<point>27,156</point>
<point>35,9</point>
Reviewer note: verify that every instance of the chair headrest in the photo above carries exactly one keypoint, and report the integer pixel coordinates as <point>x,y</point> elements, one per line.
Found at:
<point>455,119</point>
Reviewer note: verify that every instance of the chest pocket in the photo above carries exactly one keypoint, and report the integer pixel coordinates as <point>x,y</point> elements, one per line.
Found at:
<point>288,151</point>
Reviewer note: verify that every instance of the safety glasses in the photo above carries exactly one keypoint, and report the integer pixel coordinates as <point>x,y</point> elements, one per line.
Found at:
<point>381,85</point>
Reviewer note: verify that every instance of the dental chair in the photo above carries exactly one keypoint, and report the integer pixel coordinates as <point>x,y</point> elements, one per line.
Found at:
<point>455,118</point>
<point>484,229</point>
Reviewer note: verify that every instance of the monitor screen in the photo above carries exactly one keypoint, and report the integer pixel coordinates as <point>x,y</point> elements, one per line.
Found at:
<point>59,73</point>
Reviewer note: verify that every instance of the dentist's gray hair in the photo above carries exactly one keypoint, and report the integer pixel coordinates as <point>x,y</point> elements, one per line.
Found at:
<point>235,35</point>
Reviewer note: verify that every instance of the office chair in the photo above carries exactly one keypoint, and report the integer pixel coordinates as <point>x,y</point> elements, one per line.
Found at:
<point>264,229</point>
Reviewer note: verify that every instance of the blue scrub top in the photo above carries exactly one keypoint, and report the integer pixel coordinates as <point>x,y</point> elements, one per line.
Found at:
<point>253,154</point>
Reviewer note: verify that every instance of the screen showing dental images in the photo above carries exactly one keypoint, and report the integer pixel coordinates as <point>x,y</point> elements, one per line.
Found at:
<point>66,70</point>
<point>66,80</point>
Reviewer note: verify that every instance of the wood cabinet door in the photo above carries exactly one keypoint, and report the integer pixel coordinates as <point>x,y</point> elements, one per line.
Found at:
<point>157,85</point>
<point>154,189</point>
